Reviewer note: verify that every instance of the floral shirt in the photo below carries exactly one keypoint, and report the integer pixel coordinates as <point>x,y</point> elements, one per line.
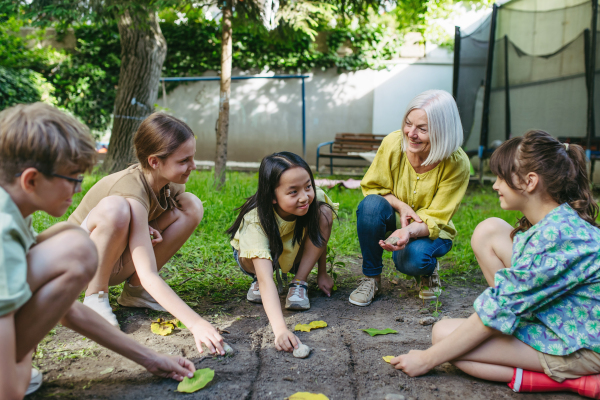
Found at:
<point>550,296</point>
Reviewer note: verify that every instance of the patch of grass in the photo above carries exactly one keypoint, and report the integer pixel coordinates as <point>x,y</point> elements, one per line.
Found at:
<point>204,266</point>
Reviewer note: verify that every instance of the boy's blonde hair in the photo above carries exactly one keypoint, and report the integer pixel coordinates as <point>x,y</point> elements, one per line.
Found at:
<point>40,136</point>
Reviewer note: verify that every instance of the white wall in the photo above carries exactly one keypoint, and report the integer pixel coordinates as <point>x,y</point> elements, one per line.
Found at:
<point>266,114</point>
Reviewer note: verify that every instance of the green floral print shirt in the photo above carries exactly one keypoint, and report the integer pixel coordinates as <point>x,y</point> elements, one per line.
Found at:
<point>550,296</point>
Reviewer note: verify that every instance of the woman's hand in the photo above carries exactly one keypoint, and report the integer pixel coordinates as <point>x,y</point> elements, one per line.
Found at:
<point>403,236</point>
<point>173,367</point>
<point>205,333</point>
<point>155,236</point>
<point>286,341</point>
<point>406,214</point>
<point>325,283</point>
<point>412,364</point>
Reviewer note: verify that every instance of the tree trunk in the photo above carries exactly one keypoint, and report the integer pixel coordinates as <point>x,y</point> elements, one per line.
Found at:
<point>143,51</point>
<point>223,121</point>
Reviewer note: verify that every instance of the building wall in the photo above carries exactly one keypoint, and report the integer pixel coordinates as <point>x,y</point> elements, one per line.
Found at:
<point>266,114</point>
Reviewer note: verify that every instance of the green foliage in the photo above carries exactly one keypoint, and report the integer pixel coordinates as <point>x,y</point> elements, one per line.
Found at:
<point>23,86</point>
<point>19,82</point>
<point>86,78</point>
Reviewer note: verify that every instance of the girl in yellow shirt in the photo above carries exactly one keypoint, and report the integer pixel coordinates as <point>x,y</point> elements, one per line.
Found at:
<point>271,231</point>
<point>412,189</point>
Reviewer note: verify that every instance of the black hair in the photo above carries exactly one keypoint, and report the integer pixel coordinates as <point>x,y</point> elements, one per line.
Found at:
<point>269,173</point>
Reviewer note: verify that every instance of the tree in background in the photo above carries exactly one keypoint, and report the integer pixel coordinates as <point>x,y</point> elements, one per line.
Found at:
<point>143,50</point>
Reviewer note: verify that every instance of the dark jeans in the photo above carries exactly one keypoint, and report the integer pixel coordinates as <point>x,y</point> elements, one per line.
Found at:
<point>375,217</point>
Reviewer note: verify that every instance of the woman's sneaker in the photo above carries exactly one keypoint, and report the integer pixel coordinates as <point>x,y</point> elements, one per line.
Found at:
<point>99,303</point>
<point>297,297</point>
<point>138,297</point>
<point>431,286</point>
<point>365,292</point>
<point>253,293</point>
<point>36,381</point>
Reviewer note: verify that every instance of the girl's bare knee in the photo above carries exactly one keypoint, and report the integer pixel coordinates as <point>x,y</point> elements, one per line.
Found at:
<point>114,212</point>
<point>191,206</point>
<point>485,230</point>
<point>442,329</point>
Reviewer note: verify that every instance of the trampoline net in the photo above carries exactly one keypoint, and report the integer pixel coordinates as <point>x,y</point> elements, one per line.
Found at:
<point>540,52</point>
<point>472,59</point>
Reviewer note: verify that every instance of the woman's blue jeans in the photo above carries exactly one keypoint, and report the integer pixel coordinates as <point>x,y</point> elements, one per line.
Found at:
<point>375,217</point>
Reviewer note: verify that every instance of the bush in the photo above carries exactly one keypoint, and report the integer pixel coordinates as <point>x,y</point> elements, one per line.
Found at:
<point>23,86</point>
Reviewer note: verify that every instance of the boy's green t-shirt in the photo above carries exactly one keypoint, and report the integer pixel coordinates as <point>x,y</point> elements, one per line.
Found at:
<point>17,238</point>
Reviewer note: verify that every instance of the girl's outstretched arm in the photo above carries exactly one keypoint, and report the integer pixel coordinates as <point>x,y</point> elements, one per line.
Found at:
<point>144,260</point>
<point>465,338</point>
<point>284,339</point>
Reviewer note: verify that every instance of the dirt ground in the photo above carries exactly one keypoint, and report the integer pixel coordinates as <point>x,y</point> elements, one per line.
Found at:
<point>345,362</point>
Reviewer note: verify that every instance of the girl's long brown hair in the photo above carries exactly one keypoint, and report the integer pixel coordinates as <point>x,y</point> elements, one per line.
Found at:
<point>562,171</point>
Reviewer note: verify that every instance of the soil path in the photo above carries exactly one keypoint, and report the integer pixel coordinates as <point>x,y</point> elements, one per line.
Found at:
<point>345,362</point>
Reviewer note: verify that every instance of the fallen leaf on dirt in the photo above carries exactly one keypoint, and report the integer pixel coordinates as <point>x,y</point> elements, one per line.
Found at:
<point>162,327</point>
<point>387,359</point>
<point>107,371</point>
<point>312,325</point>
<point>178,323</point>
<point>307,396</point>
<point>374,332</point>
<point>201,378</point>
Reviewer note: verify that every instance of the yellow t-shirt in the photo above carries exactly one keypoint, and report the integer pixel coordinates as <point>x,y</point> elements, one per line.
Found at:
<point>434,195</point>
<point>130,184</point>
<point>251,241</point>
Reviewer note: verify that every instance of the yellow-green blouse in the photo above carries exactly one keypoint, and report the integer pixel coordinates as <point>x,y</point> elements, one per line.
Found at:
<point>251,241</point>
<point>434,195</point>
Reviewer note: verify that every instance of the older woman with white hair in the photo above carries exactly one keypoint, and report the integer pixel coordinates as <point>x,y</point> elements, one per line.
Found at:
<point>412,189</point>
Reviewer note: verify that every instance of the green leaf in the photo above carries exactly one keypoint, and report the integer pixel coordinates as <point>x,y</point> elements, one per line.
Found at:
<point>375,332</point>
<point>201,378</point>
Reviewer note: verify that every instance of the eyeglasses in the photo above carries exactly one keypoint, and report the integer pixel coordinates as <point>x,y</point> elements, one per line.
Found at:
<point>76,181</point>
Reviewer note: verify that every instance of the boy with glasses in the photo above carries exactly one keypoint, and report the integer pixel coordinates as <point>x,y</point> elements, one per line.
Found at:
<point>42,154</point>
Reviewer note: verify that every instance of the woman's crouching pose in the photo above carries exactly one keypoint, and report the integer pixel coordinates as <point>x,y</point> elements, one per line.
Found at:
<point>537,327</point>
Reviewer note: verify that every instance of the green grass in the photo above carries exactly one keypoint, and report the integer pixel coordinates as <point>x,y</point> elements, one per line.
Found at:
<point>204,266</point>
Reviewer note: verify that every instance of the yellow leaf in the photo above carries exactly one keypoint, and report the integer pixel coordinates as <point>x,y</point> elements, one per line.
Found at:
<point>387,359</point>
<point>302,327</point>
<point>312,325</point>
<point>161,327</point>
<point>307,396</point>
<point>318,324</point>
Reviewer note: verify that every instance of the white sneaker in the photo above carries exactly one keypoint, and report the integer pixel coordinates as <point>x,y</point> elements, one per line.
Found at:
<point>138,297</point>
<point>99,303</point>
<point>36,381</point>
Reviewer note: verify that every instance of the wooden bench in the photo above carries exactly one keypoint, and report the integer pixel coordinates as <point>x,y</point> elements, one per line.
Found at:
<point>345,143</point>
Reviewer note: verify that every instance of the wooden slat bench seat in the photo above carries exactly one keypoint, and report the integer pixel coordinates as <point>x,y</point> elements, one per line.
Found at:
<point>345,143</point>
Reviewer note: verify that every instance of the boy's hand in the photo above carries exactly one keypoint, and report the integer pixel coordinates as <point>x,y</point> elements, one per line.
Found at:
<point>325,283</point>
<point>155,236</point>
<point>205,333</point>
<point>173,367</point>
<point>286,341</point>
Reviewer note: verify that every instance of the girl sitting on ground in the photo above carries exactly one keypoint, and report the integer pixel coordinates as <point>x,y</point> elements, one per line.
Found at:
<point>537,326</point>
<point>139,218</point>
<point>271,232</point>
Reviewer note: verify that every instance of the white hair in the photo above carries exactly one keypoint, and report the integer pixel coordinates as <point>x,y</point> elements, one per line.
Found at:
<point>443,122</point>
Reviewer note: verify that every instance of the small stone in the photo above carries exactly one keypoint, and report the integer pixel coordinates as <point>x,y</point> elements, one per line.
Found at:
<point>424,311</point>
<point>302,351</point>
<point>323,349</point>
<point>400,319</point>
<point>393,396</point>
<point>427,321</point>
<point>433,387</point>
<point>228,349</point>
<point>446,317</point>
<point>393,240</point>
